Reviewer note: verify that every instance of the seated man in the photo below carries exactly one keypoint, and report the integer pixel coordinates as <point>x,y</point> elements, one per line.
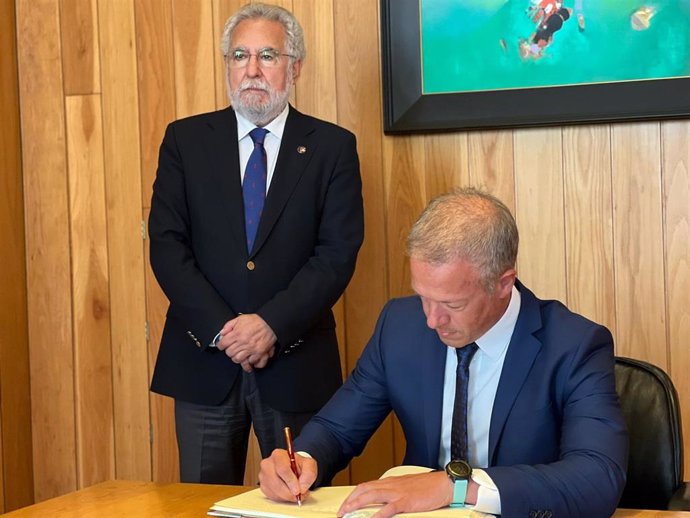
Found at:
<point>527,424</point>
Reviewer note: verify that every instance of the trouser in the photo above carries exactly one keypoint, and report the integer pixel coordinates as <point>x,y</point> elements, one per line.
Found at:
<point>212,439</point>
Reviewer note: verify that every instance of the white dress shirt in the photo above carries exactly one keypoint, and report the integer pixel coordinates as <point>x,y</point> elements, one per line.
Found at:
<point>271,142</point>
<point>485,371</point>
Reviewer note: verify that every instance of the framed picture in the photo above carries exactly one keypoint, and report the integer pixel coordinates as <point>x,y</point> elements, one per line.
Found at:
<point>463,64</point>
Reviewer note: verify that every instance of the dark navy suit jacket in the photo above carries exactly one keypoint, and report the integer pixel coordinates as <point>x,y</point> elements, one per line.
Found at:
<point>304,255</point>
<point>557,439</point>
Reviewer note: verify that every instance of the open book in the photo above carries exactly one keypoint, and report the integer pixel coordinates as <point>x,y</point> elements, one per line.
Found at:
<point>322,503</point>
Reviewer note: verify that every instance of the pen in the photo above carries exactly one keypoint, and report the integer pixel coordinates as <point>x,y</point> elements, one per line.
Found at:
<point>291,455</point>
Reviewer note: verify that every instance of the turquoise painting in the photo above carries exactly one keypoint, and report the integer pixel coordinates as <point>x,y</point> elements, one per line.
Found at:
<point>484,45</point>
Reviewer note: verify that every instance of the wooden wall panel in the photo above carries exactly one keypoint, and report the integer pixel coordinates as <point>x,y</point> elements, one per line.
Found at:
<point>91,315</point>
<point>539,211</point>
<point>491,164</point>
<point>358,104</point>
<point>638,242</point>
<point>47,247</point>
<point>156,77</point>
<point>589,222</point>
<point>125,244</point>
<point>315,90</point>
<point>581,197</point>
<point>446,163</point>
<point>79,38</point>
<point>676,176</point>
<point>156,80</point>
<point>16,476</point>
<point>194,57</point>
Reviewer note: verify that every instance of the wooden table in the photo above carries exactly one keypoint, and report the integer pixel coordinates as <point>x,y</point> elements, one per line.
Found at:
<point>123,499</point>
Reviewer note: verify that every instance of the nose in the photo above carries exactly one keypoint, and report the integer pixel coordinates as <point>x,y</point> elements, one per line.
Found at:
<point>253,69</point>
<point>436,316</point>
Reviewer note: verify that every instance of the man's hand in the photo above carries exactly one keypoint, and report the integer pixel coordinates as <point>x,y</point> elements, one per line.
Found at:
<point>248,340</point>
<point>278,482</point>
<point>404,494</point>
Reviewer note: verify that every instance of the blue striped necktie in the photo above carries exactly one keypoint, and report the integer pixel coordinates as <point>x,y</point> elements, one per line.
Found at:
<point>458,433</point>
<point>254,185</point>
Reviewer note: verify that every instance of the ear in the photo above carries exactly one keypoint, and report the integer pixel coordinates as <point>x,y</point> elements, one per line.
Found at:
<point>505,283</point>
<point>296,69</point>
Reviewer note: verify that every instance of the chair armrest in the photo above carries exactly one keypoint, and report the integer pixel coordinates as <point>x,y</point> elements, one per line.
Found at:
<point>680,501</point>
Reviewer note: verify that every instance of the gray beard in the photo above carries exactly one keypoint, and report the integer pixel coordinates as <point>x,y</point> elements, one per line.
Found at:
<point>260,113</point>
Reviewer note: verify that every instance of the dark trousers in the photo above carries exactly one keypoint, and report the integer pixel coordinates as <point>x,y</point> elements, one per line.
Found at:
<point>212,440</point>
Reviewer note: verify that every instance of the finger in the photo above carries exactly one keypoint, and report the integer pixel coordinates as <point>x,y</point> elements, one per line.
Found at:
<point>388,510</point>
<point>271,484</point>
<point>246,367</point>
<point>308,471</point>
<point>364,495</point>
<point>261,362</point>
<point>283,481</point>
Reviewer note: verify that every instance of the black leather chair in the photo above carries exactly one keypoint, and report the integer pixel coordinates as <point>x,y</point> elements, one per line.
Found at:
<point>655,466</point>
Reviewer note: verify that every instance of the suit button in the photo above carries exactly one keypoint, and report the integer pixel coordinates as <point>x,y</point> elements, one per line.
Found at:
<point>250,265</point>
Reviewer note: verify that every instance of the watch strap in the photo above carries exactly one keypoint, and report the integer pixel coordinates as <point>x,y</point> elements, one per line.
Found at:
<point>459,493</point>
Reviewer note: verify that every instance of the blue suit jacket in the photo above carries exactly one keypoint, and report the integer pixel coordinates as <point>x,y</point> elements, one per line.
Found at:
<point>557,439</point>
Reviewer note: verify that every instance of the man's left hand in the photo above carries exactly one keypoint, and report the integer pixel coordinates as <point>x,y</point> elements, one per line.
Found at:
<point>404,494</point>
<point>248,340</point>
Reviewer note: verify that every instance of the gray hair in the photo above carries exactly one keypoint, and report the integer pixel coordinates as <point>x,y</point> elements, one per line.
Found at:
<point>467,224</point>
<point>294,37</point>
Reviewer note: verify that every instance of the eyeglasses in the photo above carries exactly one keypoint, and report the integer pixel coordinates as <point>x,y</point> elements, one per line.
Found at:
<point>265,58</point>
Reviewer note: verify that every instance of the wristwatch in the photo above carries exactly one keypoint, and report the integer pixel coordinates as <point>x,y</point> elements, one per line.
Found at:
<point>459,472</point>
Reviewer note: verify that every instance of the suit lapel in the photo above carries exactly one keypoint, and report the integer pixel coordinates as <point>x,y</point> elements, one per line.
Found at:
<point>296,150</point>
<point>223,153</point>
<point>432,388</point>
<point>522,351</point>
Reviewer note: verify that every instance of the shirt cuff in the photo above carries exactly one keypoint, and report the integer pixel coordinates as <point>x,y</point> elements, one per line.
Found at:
<point>488,497</point>
<point>216,339</point>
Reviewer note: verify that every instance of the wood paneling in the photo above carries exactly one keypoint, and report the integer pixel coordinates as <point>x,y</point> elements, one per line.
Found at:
<point>125,244</point>
<point>446,163</point>
<point>93,380</point>
<point>588,223</point>
<point>602,211</point>
<point>47,248</point>
<point>156,75</point>
<point>638,242</point>
<point>491,164</point>
<point>78,31</point>
<point>316,88</point>
<point>16,475</point>
<point>675,164</point>
<point>539,211</point>
<point>195,52</point>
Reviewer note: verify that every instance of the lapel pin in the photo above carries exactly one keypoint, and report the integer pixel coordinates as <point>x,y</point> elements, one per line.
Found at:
<point>301,150</point>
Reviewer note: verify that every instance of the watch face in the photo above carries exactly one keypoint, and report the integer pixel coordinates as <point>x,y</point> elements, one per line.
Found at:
<point>458,470</point>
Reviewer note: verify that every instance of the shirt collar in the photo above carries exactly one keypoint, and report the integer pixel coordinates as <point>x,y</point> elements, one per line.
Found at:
<point>275,127</point>
<point>496,339</point>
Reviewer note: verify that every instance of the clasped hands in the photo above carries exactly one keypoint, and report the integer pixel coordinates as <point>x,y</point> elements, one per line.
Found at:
<point>404,494</point>
<point>248,341</point>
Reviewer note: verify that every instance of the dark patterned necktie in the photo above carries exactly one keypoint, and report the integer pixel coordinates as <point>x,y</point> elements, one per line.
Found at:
<point>458,433</point>
<point>254,185</point>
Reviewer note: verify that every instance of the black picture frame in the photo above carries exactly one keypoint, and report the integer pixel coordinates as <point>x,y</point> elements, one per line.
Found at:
<point>407,109</point>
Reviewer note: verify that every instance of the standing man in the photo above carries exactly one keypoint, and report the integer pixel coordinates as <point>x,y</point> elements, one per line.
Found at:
<point>256,221</point>
<point>514,396</point>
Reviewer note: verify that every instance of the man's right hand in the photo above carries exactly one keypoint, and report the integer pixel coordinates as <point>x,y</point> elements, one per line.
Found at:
<point>278,482</point>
